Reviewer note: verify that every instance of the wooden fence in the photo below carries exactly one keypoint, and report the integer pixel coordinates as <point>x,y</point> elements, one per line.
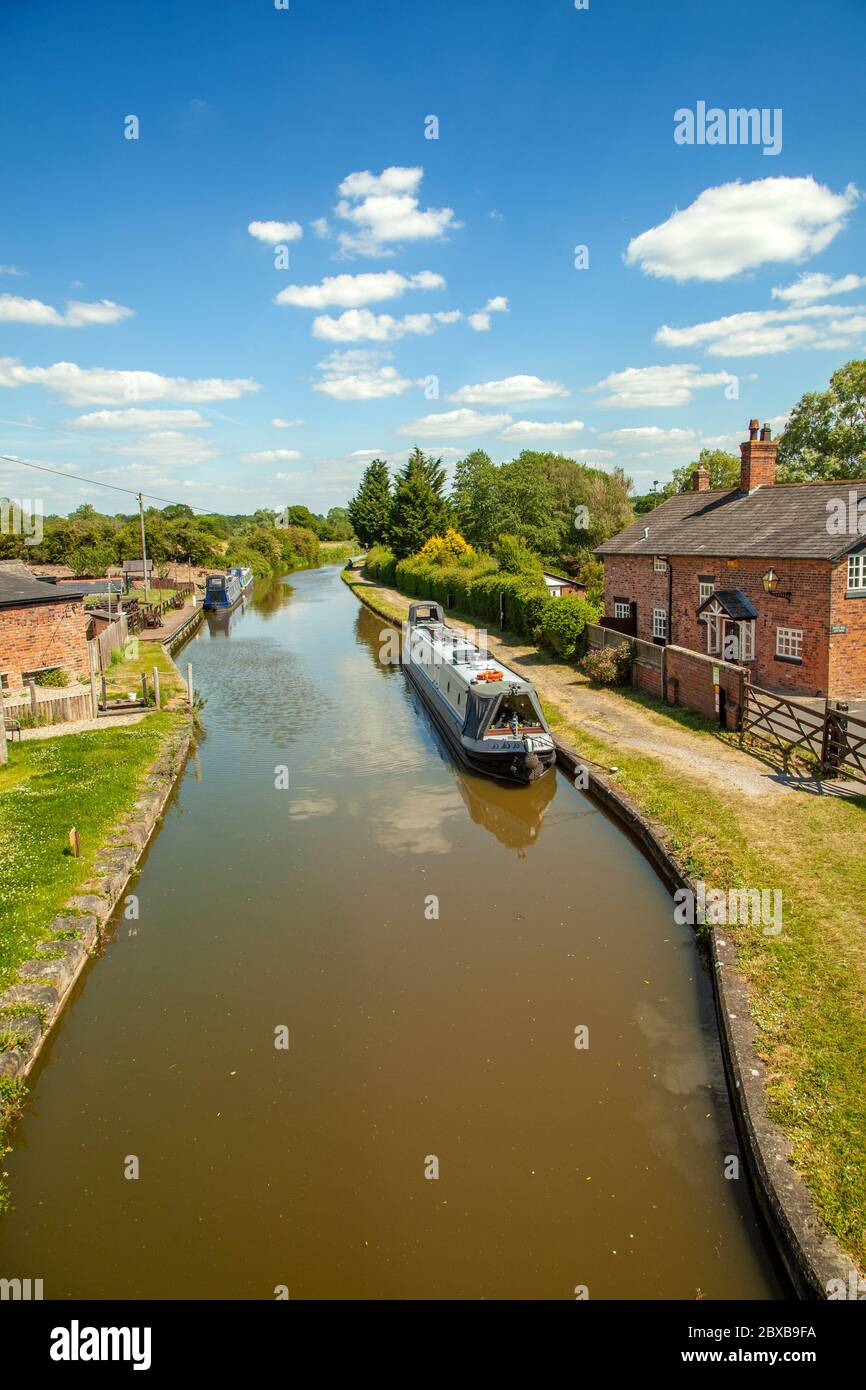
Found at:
<point>53,709</point>
<point>112,638</point>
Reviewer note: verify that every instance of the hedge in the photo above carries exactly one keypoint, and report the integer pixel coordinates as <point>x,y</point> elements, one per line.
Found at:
<point>477,590</point>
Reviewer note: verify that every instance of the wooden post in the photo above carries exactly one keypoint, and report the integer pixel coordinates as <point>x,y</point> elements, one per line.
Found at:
<point>156,699</point>
<point>144,686</point>
<point>75,843</point>
<point>31,685</point>
<point>104,691</point>
<point>189,691</point>
<point>4,751</point>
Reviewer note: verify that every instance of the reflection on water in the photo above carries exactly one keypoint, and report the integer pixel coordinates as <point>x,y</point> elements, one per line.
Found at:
<point>412,1031</point>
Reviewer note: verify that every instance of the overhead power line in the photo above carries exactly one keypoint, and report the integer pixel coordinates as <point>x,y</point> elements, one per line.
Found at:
<point>95,482</point>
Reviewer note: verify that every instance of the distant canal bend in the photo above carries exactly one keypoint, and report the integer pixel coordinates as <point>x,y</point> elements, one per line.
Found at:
<point>411,1036</point>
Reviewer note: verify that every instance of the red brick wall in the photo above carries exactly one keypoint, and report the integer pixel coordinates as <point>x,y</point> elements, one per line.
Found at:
<point>848,649</point>
<point>808,581</point>
<point>43,634</point>
<point>689,681</point>
<point>648,678</point>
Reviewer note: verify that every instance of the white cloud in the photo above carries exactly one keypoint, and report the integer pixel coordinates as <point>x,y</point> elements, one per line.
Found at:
<point>166,448</point>
<point>321,228</point>
<point>366,454</point>
<point>10,270</point>
<point>351,291</point>
<point>454,424</point>
<point>359,375</point>
<point>536,429</point>
<point>134,419</point>
<point>736,227</point>
<point>271,456</point>
<point>637,387</point>
<point>358,325</point>
<point>480,323</point>
<point>105,386</point>
<point>273,232</point>
<point>14,309</point>
<point>497,305</point>
<point>764,331</point>
<point>279,424</point>
<point>448,316</point>
<point>590,453</point>
<point>651,437</point>
<point>510,388</point>
<point>383,209</point>
<point>817,285</point>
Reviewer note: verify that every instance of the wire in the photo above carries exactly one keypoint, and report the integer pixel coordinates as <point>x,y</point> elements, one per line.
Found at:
<point>115,487</point>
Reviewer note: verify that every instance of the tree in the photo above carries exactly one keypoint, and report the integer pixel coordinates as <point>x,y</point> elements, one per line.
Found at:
<point>420,509</point>
<point>723,468</point>
<point>475,497</point>
<point>339,525</point>
<point>370,508</point>
<point>825,436</point>
<point>515,557</point>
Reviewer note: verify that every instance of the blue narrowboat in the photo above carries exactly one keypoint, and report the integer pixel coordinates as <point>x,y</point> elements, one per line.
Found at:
<point>225,591</point>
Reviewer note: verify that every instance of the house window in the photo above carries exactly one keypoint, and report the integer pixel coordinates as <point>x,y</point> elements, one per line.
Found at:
<point>4,682</point>
<point>659,564</point>
<point>747,641</point>
<point>660,623</point>
<point>621,608</point>
<point>789,643</point>
<point>706,586</point>
<point>857,571</point>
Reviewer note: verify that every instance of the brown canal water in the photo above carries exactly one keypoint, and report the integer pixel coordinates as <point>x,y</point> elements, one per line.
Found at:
<point>409,1038</point>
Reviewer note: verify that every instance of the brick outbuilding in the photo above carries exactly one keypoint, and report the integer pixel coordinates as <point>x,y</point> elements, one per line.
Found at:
<point>772,577</point>
<point>41,628</point>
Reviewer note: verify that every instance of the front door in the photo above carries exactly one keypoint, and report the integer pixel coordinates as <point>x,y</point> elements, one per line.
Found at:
<point>730,640</point>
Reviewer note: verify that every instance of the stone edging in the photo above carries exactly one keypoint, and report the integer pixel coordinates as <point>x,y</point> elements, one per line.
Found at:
<point>45,982</point>
<point>810,1254</point>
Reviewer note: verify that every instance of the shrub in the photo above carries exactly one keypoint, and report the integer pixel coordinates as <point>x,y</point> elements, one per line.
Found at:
<point>610,665</point>
<point>447,549</point>
<point>563,624</point>
<point>381,564</point>
<point>515,557</point>
<point>55,677</point>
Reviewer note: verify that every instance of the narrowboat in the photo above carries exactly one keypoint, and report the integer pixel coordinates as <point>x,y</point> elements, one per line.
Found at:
<point>225,591</point>
<point>490,717</point>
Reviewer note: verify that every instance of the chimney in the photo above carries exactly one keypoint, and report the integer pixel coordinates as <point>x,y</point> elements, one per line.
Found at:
<point>701,480</point>
<point>758,459</point>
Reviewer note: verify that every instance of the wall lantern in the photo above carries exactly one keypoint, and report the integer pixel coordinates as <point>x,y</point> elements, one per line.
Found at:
<point>771,585</point>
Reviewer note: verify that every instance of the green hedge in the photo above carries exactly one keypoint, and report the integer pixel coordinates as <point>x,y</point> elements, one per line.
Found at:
<point>477,590</point>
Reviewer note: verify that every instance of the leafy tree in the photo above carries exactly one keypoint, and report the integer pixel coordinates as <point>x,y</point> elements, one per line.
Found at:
<point>420,509</point>
<point>723,468</point>
<point>564,622</point>
<point>475,497</point>
<point>339,525</point>
<point>825,437</point>
<point>450,549</point>
<point>370,509</point>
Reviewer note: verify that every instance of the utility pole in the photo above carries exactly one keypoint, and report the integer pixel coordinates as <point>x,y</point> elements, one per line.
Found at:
<point>143,547</point>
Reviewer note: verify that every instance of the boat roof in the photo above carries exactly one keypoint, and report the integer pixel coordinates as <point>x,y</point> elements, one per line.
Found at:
<point>468,659</point>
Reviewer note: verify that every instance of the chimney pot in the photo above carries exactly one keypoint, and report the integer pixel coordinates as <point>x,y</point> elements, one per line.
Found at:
<point>700,479</point>
<point>757,459</point>
<point>766,434</point>
<point>753,429</point>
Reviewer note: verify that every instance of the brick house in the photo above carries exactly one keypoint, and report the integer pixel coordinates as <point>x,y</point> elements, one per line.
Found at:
<point>770,577</point>
<point>40,629</point>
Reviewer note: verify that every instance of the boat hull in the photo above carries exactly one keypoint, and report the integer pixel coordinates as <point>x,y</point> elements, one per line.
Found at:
<point>520,768</point>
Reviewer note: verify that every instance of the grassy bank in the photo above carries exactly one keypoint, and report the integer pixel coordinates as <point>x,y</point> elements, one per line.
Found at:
<point>84,780</point>
<point>807,985</point>
<point>124,675</point>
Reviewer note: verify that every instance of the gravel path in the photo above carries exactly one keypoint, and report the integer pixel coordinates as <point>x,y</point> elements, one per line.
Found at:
<point>78,726</point>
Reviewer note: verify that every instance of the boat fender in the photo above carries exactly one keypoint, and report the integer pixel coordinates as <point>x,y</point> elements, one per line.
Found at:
<point>531,761</point>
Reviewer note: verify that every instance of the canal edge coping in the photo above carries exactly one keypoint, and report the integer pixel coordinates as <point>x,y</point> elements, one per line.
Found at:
<point>810,1253</point>
<point>45,983</point>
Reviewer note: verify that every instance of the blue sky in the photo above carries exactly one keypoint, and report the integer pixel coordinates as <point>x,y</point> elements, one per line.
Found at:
<point>556,130</point>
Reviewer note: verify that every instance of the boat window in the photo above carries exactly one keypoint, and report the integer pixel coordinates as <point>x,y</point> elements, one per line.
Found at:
<point>511,707</point>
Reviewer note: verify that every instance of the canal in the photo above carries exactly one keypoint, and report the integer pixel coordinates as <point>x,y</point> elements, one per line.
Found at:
<point>427,942</point>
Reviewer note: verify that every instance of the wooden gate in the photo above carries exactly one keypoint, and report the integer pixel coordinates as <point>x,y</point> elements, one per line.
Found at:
<point>833,737</point>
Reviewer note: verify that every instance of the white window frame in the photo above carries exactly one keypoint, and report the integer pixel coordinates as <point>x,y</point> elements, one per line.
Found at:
<point>706,589</point>
<point>714,643</point>
<point>618,608</point>
<point>747,640</point>
<point>857,572</point>
<point>660,623</point>
<point>660,565</point>
<point>789,643</point>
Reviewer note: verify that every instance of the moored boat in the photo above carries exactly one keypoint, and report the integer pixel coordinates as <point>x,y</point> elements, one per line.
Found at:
<point>490,717</point>
<point>224,591</point>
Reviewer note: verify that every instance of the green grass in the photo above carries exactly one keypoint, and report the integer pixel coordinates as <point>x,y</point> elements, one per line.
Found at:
<point>807,986</point>
<point>125,675</point>
<point>84,780</point>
